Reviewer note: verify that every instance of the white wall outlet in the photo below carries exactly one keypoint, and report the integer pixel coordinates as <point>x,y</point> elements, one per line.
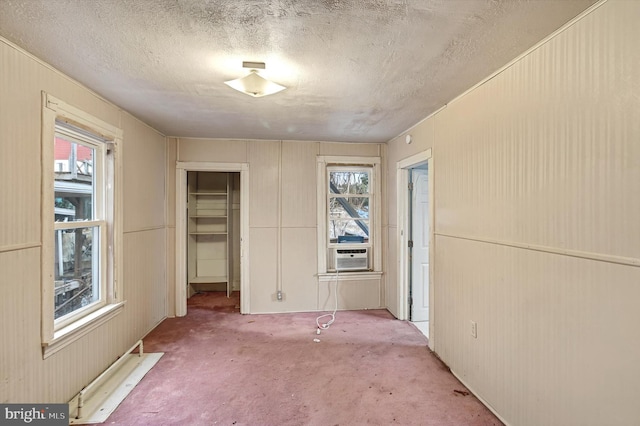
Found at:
<point>474,329</point>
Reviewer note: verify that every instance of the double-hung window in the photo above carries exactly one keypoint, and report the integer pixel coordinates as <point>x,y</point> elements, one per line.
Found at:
<point>348,214</point>
<point>348,202</point>
<point>80,177</point>
<point>80,225</point>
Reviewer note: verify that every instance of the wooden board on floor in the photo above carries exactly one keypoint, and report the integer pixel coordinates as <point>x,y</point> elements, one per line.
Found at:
<point>103,401</point>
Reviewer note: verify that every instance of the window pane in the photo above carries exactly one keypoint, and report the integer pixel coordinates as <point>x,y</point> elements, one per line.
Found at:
<point>76,269</point>
<point>74,180</point>
<point>349,182</point>
<point>348,231</point>
<point>351,207</point>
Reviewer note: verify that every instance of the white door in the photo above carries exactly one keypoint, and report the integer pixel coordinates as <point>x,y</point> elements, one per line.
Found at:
<point>420,251</point>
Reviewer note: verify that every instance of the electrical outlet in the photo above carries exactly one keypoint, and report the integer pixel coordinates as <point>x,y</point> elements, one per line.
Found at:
<point>279,295</point>
<point>474,329</point>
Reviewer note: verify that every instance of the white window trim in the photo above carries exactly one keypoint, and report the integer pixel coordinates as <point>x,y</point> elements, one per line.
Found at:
<point>375,217</point>
<point>55,339</point>
<point>329,195</point>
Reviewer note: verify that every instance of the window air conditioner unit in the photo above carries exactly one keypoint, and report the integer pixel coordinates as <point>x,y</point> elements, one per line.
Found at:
<point>351,259</point>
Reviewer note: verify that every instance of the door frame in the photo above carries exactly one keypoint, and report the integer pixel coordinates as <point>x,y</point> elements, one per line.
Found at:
<point>182,168</point>
<point>403,214</point>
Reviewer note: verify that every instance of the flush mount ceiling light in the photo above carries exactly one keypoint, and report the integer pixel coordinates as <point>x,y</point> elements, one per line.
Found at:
<point>254,84</point>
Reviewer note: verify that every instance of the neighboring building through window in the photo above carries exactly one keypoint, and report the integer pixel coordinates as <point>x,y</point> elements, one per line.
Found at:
<point>81,211</point>
<point>80,221</point>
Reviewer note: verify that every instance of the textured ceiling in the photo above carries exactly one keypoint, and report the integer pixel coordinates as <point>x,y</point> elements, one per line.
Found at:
<point>356,70</point>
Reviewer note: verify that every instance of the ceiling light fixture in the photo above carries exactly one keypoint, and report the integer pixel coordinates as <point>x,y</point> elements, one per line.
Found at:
<point>253,84</point>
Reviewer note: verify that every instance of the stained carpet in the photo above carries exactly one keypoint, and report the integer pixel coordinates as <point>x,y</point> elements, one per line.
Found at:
<point>223,368</point>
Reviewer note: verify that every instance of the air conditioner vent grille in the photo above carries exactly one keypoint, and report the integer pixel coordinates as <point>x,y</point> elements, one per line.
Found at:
<point>351,259</point>
<point>351,251</point>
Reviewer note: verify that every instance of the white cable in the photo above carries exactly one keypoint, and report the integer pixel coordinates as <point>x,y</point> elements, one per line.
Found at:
<point>333,314</point>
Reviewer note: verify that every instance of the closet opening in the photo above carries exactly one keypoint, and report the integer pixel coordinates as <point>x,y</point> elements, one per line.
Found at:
<point>213,232</point>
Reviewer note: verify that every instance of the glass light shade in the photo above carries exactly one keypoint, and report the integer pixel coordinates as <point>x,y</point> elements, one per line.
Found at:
<point>254,85</point>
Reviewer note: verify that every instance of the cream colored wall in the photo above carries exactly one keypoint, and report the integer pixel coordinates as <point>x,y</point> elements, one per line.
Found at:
<point>282,219</point>
<point>537,176</point>
<point>170,185</point>
<point>24,375</point>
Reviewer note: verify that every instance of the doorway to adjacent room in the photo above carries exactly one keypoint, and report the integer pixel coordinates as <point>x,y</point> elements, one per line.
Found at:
<point>415,242</point>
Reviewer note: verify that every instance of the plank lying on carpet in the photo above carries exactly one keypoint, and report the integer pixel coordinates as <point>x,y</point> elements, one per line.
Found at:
<point>105,399</point>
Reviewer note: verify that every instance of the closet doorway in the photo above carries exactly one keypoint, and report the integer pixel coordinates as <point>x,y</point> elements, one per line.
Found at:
<point>213,240</point>
<point>211,231</point>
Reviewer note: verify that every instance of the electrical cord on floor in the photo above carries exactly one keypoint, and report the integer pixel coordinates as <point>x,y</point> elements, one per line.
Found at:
<point>333,314</point>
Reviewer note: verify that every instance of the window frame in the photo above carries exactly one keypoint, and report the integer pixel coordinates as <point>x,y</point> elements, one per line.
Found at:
<point>99,208</point>
<point>348,168</point>
<point>324,165</point>
<point>56,334</point>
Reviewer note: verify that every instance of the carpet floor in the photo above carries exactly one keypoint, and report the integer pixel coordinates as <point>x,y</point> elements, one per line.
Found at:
<point>223,368</point>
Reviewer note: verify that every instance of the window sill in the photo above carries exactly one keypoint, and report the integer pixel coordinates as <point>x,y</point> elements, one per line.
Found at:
<point>349,276</point>
<point>73,332</point>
